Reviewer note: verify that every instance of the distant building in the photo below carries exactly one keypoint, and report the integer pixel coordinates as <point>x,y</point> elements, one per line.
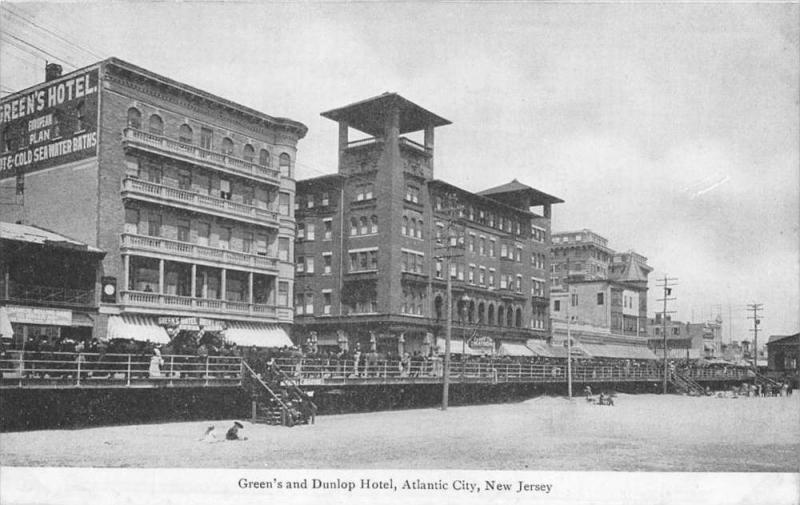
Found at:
<point>47,286</point>
<point>599,293</point>
<point>783,355</point>
<point>189,193</point>
<point>687,340</point>
<point>368,255</point>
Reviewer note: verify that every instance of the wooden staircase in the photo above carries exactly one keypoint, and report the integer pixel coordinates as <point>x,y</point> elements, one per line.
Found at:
<point>277,400</point>
<point>685,385</point>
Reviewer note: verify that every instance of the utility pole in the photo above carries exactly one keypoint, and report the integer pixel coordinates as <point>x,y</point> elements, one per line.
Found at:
<point>755,307</point>
<point>450,248</point>
<point>667,284</point>
<point>569,334</point>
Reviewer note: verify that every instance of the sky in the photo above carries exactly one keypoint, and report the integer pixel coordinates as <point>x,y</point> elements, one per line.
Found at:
<point>669,129</point>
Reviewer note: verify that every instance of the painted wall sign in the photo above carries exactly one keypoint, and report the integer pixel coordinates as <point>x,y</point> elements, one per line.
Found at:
<point>34,315</point>
<point>53,124</point>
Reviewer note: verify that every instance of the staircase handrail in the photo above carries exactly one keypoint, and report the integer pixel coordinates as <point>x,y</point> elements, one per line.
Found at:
<point>768,380</point>
<point>255,376</point>
<point>293,385</point>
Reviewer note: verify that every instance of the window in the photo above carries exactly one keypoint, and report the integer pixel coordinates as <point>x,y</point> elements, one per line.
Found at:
<point>491,248</point>
<point>300,264</point>
<point>373,224</point>
<point>283,248</point>
<point>285,164</point>
<point>310,202</point>
<point>263,158</point>
<point>503,281</point>
<point>248,194</point>
<point>482,247</point>
<point>156,125</point>
<point>363,260</point>
<point>600,300</point>
<point>134,118</point>
<point>310,264</point>
<point>491,278</point>
<point>325,199</point>
<point>412,193</point>
<point>471,275</point>
<point>557,305</point>
<point>225,238</point>
<point>184,179</point>
<point>227,146</point>
<point>327,225</point>
<point>249,153</point>
<point>519,284</point>
<point>503,250</point>
<point>225,189</point>
<point>364,229</point>
<point>301,231</point>
<point>283,293</point>
<point>298,304</point>
<point>206,138</point>
<point>283,204</point>
<point>438,269</point>
<point>518,255</point>
<point>183,230</point>
<point>574,300</point>
<point>326,302</point>
<point>154,224</point>
<point>131,220</point>
<point>153,172</point>
<point>327,260</point>
<point>185,134</point>
<point>471,243</point>
<point>353,226</point>
<point>203,231</point>
<point>482,276</point>
<point>310,231</point>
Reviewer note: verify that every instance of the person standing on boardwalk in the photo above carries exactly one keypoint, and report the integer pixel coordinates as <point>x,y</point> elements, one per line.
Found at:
<point>156,362</point>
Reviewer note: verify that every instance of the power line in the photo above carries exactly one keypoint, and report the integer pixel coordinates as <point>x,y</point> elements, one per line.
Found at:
<point>62,60</point>
<point>667,292</point>
<point>755,307</point>
<point>53,33</point>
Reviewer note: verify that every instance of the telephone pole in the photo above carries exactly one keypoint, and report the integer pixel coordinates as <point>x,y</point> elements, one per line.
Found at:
<point>450,250</point>
<point>667,283</point>
<point>755,307</point>
<point>569,334</point>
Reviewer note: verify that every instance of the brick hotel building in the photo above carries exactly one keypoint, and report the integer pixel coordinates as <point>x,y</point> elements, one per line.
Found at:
<point>368,255</point>
<point>189,195</point>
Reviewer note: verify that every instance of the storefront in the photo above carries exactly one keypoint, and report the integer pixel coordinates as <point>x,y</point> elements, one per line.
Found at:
<point>38,325</point>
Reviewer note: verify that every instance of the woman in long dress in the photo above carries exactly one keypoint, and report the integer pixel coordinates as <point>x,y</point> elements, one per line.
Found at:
<point>155,364</point>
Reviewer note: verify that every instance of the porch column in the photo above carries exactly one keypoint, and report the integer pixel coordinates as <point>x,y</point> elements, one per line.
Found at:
<point>194,281</point>
<point>250,287</point>
<point>160,277</point>
<point>126,275</point>
<point>223,285</point>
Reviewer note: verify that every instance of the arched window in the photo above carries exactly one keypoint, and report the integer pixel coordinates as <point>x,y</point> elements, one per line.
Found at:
<point>490,315</point>
<point>285,164</point>
<point>481,318</point>
<point>437,307</point>
<point>227,146</point>
<point>412,227</point>
<point>353,226</point>
<point>510,317</point>
<point>374,225</point>
<point>519,318</point>
<point>500,315</point>
<point>364,229</point>
<point>263,158</point>
<point>404,226</point>
<point>185,134</point>
<point>419,229</point>
<point>156,125</point>
<point>134,118</point>
<point>471,312</point>
<point>248,153</point>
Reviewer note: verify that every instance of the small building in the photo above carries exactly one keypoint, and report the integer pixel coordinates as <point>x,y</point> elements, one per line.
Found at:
<point>686,340</point>
<point>783,355</point>
<point>48,286</point>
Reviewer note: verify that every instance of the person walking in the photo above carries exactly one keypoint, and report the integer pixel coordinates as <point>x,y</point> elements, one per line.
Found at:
<point>156,362</point>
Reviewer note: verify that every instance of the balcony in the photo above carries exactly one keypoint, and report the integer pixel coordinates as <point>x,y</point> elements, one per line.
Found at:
<point>180,305</point>
<point>200,253</point>
<point>138,189</point>
<point>402,141</point>
<point>196,155</point>
<point>414,277</point>
<point>47,295</point>
<point>540,300</point>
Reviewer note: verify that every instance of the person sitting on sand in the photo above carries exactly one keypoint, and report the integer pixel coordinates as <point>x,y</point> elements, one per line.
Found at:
<point>233,432</point>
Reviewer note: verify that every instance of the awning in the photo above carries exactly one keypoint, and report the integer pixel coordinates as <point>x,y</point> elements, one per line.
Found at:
<point>457,347</point>
<point>256,334</point>
<point>514,349</point>
<point>141,328</point>
<point>82,319</point>
<point>6,331</point>
<point>618,351</point>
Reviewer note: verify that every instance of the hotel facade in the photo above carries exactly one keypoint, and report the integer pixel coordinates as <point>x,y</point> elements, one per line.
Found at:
<point>374,240</point>
<point>189,195</point>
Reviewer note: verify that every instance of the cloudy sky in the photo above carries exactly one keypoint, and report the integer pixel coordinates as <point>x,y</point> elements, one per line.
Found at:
<point>669,129</point>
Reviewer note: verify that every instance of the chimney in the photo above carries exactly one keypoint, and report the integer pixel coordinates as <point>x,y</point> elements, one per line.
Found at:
<point>52,71</point>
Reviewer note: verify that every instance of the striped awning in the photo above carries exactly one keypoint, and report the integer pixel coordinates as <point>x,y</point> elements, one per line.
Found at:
<point>514,349</point>
<point>256,334</point>
<point>618,351</point>
<point>140,328</point>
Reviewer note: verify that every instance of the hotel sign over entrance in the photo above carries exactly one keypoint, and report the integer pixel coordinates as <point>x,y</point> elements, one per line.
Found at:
<point>52,124</point>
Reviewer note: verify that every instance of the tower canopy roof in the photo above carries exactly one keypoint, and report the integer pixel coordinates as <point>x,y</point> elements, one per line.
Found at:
<point>369,116</point>
<point>516,188</point>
